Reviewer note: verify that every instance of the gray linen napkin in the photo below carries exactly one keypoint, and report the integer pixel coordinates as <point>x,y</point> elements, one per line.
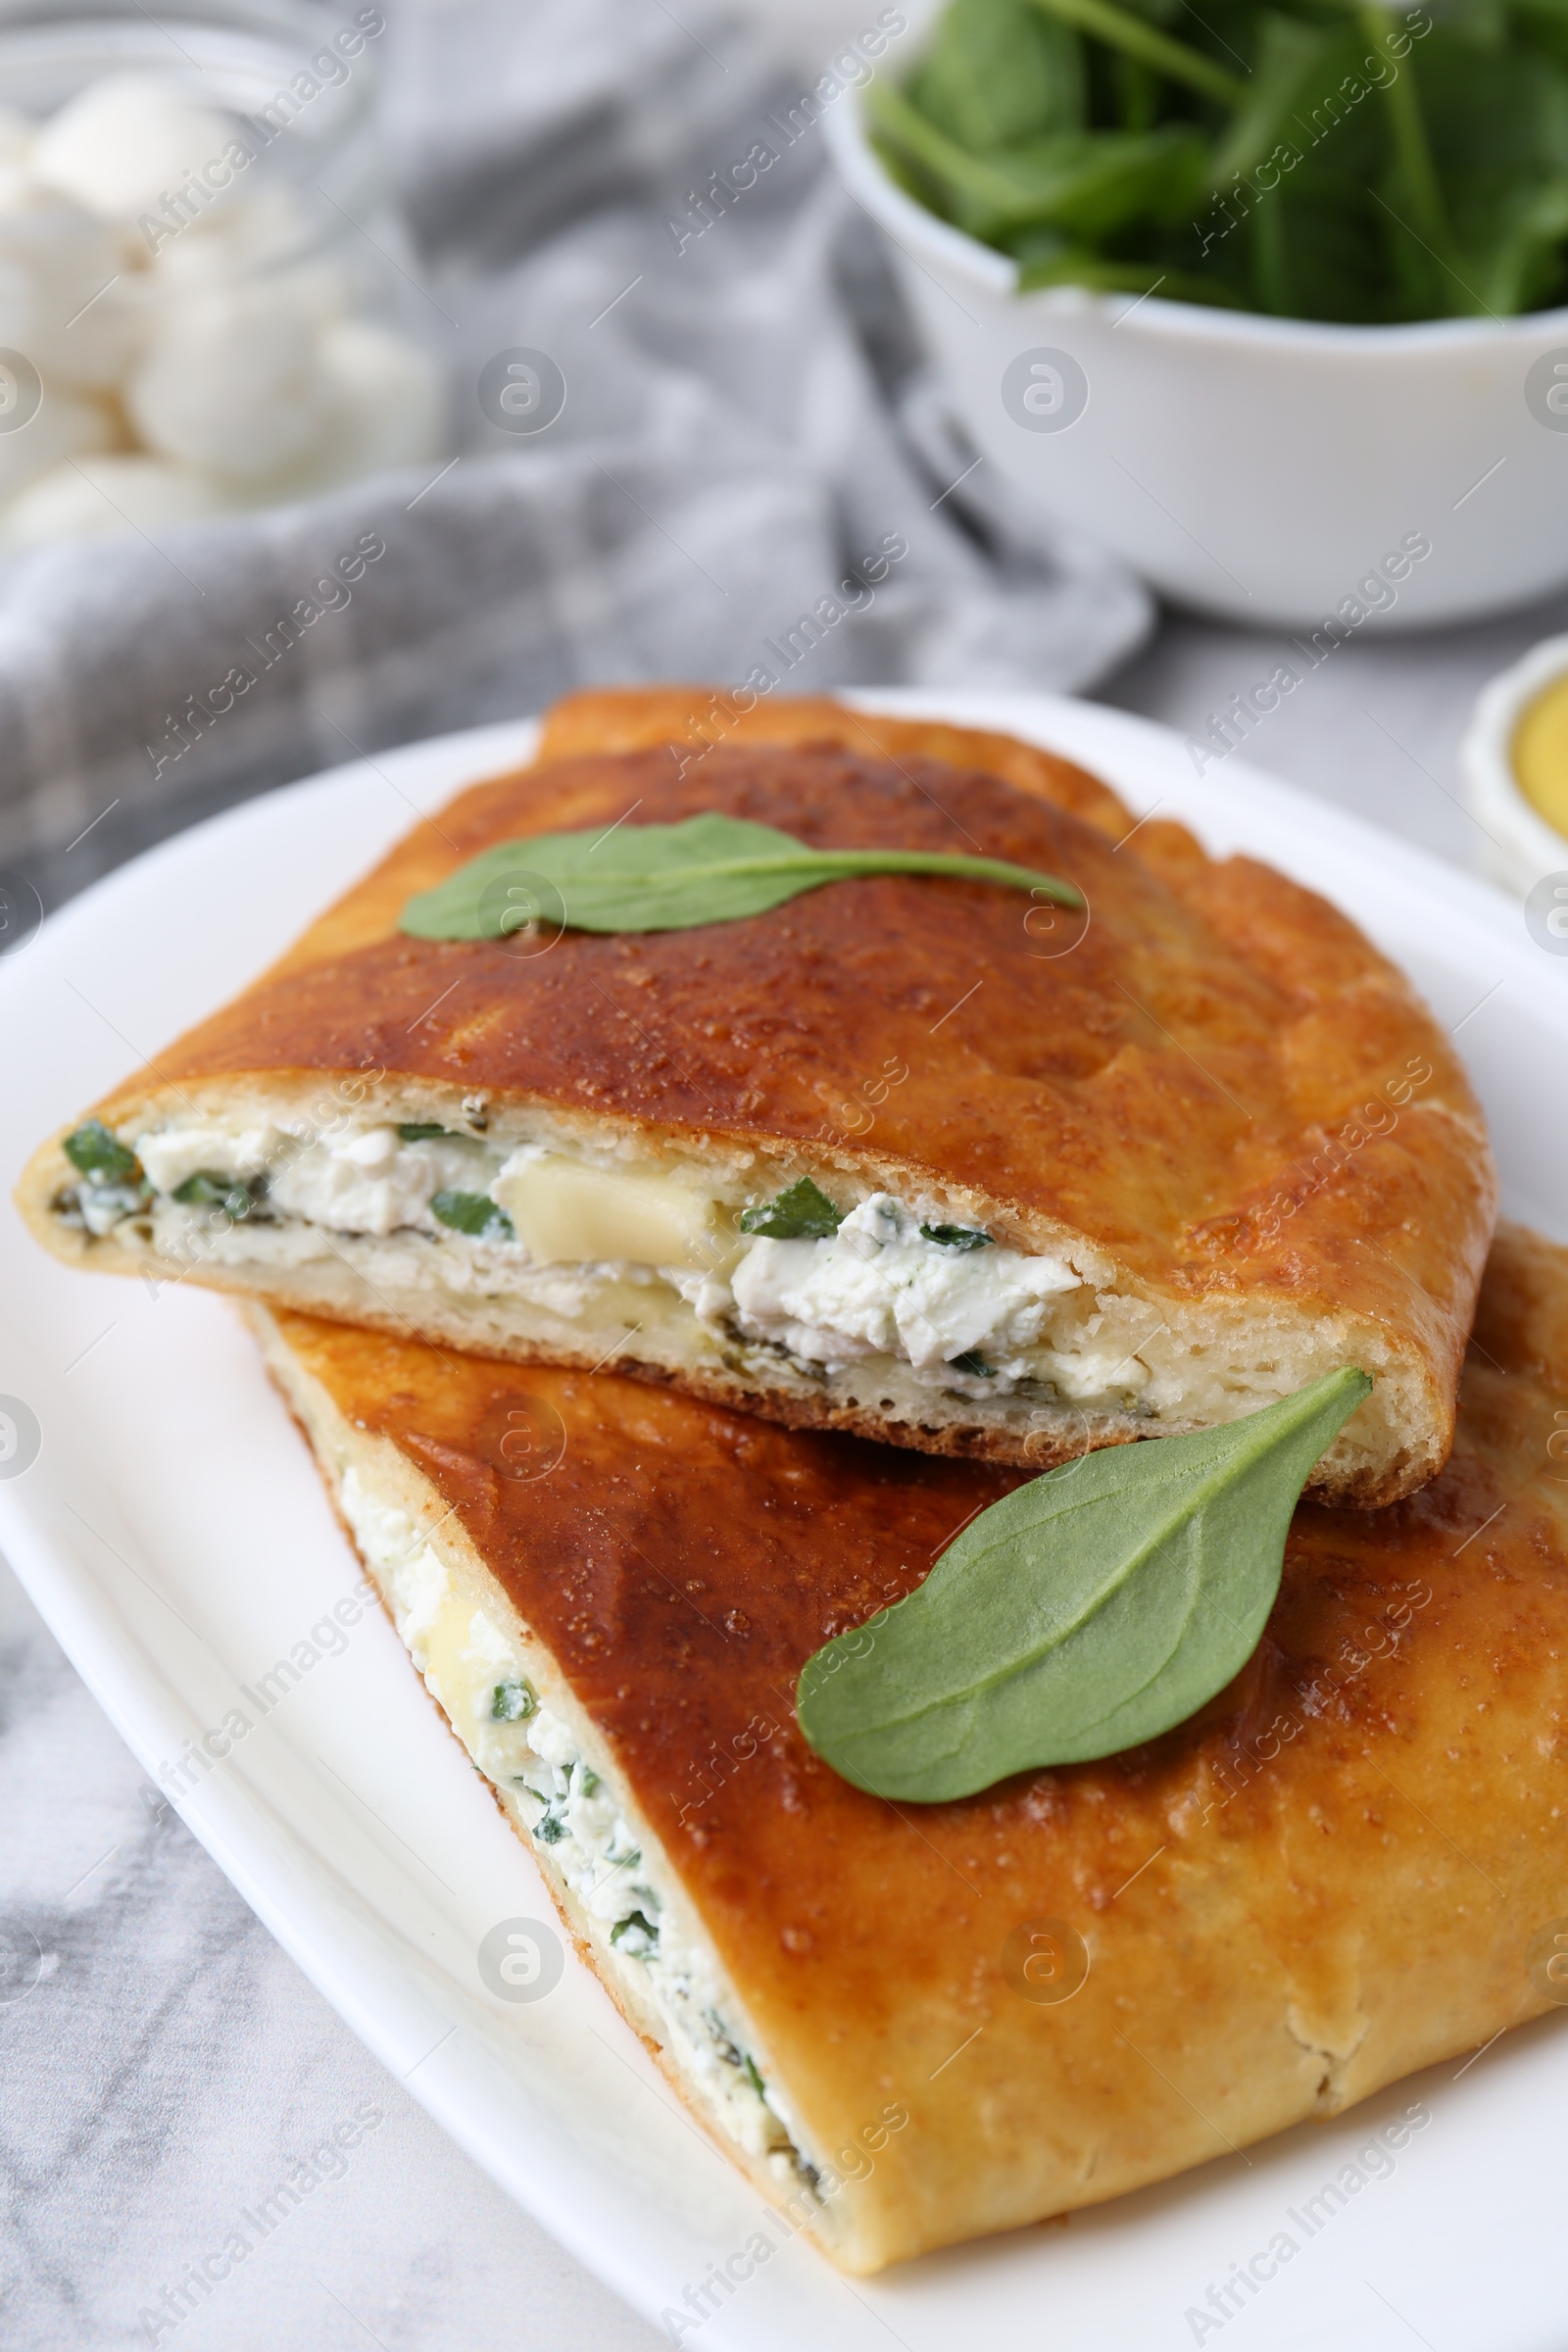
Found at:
<point>747,443</point>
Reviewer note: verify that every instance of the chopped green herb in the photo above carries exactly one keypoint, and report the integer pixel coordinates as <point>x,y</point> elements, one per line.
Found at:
<point>956,1237</point>
<point>639,1935</point>
<point>749,2070</point>
<point>588,1783</point>
<point>972,1361</point>
<point>550,1829</point>
<point>100,1155</point>
<point>476,1213</point>
<point>425,1131</point>
<point>801,1214</point>
<point>513,1701</point>
<point>209,1188</point>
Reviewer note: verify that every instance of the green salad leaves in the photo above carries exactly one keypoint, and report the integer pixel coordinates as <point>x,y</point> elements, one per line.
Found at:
<point>1313,158</point>
<point>1092,1609</point>
<point>706,870</point>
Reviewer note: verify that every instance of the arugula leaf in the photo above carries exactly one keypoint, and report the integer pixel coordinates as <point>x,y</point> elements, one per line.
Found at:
<point>706,870</point>
<point>800,1214</point>
<point>474,1212</point>
<point>96,1153</point>
<point>1082,1614</point>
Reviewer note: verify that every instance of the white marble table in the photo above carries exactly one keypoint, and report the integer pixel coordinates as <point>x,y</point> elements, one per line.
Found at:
<point>172,2064</point>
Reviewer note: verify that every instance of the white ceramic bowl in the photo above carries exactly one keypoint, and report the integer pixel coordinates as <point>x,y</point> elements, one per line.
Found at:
<point>1257,469</point>
<point>1521,847</point>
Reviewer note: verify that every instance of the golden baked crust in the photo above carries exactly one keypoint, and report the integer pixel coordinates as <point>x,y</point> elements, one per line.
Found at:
<point>1329,1879</point>
<point>1220,1090</point>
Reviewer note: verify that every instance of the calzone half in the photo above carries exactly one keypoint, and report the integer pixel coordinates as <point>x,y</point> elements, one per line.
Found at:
<point>932,1160</point>
<point>915,2023</point>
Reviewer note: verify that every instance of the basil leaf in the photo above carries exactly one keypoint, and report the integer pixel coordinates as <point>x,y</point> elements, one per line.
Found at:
<point>800,1214</point>
<point>956,1237</point>
<point>706,870</point>
<point>474,1212</point>
<point>96,1152</point>
<point>1088,1611</point>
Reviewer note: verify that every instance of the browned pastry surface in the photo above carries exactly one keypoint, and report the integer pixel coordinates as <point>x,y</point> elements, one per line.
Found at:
<point>1222,1086</point>
<point>1329,1879</point>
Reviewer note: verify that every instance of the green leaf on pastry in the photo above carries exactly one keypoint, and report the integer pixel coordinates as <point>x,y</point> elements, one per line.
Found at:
<point>706,870</point>
<point>1092,1609</point>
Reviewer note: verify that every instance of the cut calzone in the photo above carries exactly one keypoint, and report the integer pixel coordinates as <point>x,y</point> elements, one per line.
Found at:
<point>914,2025</point>
<point>934,1161</point>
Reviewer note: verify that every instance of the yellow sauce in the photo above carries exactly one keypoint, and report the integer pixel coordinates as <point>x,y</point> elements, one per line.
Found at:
<point>1540,752</point>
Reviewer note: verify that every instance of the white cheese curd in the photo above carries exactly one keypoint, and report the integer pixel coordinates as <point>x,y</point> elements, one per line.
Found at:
<point>171,1155</point>
<point>370,1181</point>
<point>878,1286</point>
<point>412,1572</point>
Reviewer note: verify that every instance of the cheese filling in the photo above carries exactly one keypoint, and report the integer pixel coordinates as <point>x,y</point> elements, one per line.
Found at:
<point>549,1787</point>
<point>963,1311</point>
<point>880,1286</point>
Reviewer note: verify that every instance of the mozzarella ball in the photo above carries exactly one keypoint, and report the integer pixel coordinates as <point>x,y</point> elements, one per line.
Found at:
<point>67,424</point>
<point>100,497</point>
<point>124,142</point>
<point>388,397</point>
<point>248,243</point>
<point>230,382</point>
<point>63,297</point>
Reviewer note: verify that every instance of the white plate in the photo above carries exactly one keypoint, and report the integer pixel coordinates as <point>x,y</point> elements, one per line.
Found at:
<point>172,1533</point>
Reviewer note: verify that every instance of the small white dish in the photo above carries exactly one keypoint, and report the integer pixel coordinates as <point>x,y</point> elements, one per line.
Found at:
<point>174,1532</point>
<point>1263,469</point>
<point>1521,846</point>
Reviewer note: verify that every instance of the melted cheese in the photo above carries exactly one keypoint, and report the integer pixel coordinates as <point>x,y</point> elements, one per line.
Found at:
<point>566,1212</point>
